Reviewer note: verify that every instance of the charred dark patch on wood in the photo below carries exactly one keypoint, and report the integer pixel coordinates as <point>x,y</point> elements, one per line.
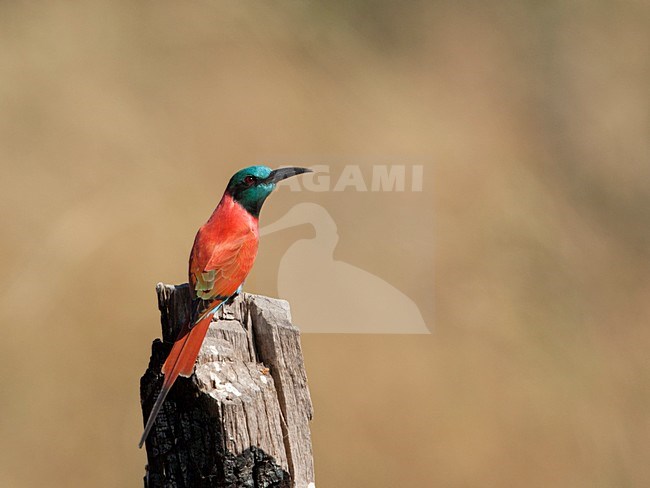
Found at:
<point>242,419</point>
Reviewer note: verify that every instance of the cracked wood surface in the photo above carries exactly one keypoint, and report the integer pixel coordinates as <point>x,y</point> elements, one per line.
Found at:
<point>242,419</point>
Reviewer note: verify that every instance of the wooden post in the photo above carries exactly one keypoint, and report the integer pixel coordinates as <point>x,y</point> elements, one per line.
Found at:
<point>242,419</point>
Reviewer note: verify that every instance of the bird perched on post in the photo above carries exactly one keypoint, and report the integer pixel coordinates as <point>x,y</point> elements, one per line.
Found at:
<point>223,254</point>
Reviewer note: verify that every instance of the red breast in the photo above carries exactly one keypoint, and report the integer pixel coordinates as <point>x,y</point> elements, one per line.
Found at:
<point>227,242</point>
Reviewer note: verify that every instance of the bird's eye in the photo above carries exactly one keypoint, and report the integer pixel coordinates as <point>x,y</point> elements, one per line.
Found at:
<point>249,180</point>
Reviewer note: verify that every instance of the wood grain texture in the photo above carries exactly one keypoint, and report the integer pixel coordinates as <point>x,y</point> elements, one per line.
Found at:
<point>242,419</point>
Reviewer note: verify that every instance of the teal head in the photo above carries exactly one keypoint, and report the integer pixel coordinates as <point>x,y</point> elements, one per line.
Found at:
<point>251,186</point>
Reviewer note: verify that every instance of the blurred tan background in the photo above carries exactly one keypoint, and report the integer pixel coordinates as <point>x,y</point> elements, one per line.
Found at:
<point>528,250</point>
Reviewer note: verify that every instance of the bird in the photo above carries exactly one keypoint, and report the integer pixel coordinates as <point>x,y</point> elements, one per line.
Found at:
<point>223,254</point>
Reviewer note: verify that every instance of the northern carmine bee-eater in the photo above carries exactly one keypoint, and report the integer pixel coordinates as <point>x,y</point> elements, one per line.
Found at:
<point>222,256</point>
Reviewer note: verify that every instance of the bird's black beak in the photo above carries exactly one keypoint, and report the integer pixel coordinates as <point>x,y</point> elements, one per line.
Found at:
<point>278,175</point>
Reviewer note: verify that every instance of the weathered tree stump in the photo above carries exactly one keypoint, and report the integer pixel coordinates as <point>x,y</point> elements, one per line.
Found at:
<point>242,419</point>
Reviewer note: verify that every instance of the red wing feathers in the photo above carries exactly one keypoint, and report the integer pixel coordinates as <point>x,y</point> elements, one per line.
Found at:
<point>220,273</point>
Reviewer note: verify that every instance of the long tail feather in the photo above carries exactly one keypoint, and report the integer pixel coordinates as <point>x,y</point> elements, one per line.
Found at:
<point>154,413</point>
<point>180,362</point>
